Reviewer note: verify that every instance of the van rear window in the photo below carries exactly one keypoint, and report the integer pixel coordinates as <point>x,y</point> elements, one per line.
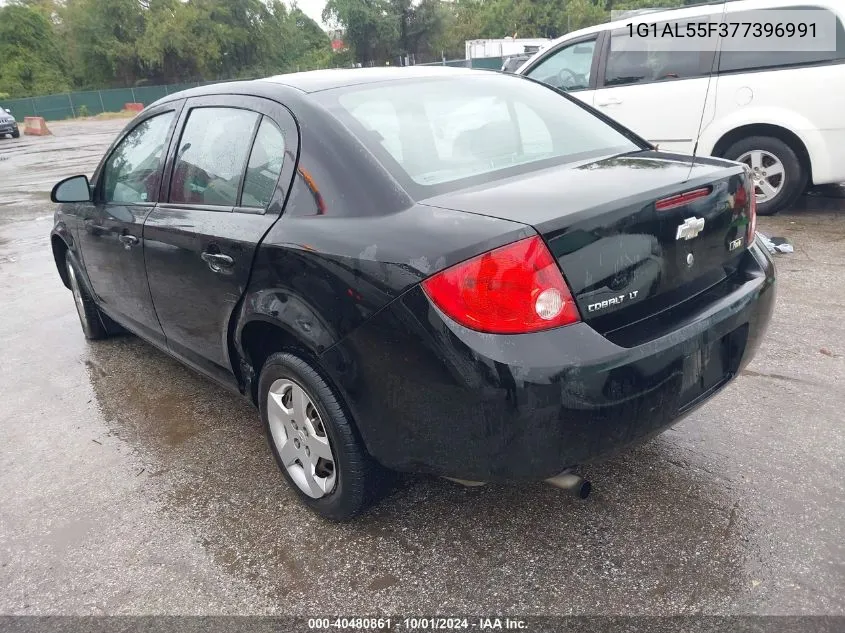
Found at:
<point>734,61</point>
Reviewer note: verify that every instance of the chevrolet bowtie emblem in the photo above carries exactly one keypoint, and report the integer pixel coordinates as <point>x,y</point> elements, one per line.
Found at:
<point>690,228</point>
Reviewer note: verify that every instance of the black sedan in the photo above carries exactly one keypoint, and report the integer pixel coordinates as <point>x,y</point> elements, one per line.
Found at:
<point>444,271</point>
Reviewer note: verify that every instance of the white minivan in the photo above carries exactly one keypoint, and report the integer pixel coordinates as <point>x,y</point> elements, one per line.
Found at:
<point>782,113</point>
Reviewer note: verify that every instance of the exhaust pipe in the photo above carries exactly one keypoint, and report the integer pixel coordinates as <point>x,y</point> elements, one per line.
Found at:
<point>573,484</point>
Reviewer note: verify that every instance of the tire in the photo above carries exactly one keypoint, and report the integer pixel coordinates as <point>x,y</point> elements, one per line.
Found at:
<point>93,322</point>
<point>16,134</point>
<point>788,187</point>
<point>354,481</point>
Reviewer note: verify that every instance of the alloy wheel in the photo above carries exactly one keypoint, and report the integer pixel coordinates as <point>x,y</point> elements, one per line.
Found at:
<point>767,172</point>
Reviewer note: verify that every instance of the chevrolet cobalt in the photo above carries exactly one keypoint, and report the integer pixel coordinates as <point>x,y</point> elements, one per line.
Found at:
<point>454,272</point>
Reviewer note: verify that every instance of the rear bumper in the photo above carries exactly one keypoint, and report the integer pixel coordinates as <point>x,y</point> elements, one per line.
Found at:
<point>431,396</point>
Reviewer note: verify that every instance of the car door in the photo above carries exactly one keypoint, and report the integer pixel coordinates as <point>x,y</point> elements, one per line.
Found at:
<point>570,66</point>
<point>656,91</point>
<point>126,188</point>
<point>222,198</point>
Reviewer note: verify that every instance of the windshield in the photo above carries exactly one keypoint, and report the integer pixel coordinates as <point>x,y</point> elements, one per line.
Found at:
<point>451,129</point>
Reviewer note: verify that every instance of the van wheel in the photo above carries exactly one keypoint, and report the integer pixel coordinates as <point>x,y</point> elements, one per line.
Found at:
<point>778,175</point>
<point>314,442</point>
<point>89,316</point>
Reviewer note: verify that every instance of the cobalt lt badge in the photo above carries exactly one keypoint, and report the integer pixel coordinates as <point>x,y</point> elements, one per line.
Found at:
<point>690,228</point>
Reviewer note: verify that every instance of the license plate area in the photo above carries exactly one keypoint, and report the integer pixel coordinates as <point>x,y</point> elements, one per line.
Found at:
<point>711,365</point>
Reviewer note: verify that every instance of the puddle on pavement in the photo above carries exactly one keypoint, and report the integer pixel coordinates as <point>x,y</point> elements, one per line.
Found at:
<point>655,524</point>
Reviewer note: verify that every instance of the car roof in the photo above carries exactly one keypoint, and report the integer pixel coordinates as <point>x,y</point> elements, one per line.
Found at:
<point>316,80</point>
<point>295,86</point>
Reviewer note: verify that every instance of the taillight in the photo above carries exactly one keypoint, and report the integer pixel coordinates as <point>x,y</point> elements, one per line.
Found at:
<point>513,289</point>
<point>752,213</point>
<point>746,198</point>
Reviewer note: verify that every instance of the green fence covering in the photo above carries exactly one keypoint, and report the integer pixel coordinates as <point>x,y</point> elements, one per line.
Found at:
<point>88,103</point>
<point>91,102</point>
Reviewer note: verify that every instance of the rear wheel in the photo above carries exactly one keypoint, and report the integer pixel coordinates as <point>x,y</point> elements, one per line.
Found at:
<point>314,442</point>
<point>779,178</point>
<point>89,316</point>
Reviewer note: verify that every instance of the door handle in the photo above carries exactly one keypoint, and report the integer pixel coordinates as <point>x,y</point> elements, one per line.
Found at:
<point>218,262</point>
<point>128,241</point>
<point>609,102</point>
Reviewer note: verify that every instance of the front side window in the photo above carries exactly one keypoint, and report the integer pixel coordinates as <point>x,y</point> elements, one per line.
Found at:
<point>628,62</point>
<point>567,68</point>
<point>132,173</point>
<point>265,165</point>
<point>444,131</point>
<point>212,156</point>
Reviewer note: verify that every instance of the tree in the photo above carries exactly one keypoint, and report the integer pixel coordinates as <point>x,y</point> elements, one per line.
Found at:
<point>30,60</point>
<point>424,26</point>
<point>101,40</point>
<point>371,27</point>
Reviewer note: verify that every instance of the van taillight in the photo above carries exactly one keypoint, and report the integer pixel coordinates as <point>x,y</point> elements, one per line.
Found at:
<point>752,213</point>
<point>746,197</point>
<point>513,289</point>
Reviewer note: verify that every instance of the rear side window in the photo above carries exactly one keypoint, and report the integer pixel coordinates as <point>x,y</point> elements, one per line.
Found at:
<point>133,171</point>
<point>628,63</point>
<point>475,127</point>
<point>265,165</point>
<point>212,156</point>
<point>736,61</point>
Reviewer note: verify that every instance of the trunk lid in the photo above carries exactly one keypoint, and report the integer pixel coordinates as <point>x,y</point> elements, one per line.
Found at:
<point>624,258</point>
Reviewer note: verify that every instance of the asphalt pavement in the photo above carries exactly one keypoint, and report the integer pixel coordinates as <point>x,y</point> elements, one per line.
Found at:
<point>131,485</point>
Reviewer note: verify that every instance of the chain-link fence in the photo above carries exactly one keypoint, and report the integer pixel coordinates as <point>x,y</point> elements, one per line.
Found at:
<point>89,103</point>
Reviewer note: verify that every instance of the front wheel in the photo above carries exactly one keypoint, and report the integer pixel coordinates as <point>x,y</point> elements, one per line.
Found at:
<point>314,442</point>
<point>16,134</point>
<point>779,178</point>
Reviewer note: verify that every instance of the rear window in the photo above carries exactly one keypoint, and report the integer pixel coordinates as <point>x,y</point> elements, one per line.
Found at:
<point>733,61</point>
<point>442,131</point>
<point>739,60</point>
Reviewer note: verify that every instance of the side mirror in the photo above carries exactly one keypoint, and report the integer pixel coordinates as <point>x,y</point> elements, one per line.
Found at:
<point>7,110</point>
<point>73,189</point>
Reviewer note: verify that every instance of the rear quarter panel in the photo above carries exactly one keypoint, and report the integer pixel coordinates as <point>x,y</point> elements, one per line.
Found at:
<point>350,241</point>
